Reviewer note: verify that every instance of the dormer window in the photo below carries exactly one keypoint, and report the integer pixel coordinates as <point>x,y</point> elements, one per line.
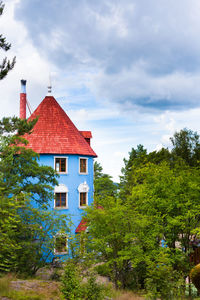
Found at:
<point>83,165</point>
<point>61,164</point>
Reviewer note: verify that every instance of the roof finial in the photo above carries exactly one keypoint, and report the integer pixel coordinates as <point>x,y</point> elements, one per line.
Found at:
<point>49,86</point>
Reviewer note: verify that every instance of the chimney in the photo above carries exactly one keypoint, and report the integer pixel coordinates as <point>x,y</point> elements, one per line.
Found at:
<point>22,113</point>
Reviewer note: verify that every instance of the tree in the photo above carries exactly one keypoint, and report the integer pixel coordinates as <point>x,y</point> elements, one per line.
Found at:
<point>26,232</point>
<point>27,235</point>
<point>103,184</point>
<point>138,158</point>
<point>19,167</point>
<point>186,145</point>
<point>37,230</point>
<point>6,65</point>
<point>111,236</point>
<point>170,198</point>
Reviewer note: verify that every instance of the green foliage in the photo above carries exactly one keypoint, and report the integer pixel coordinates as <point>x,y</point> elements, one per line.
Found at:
<point>71,283</point>
<point>162,280</point>
<point>103,183</point>
<point>103,269</point>
<point>186,145</point>
<point>9,222</point>
<point>112,238</point>
<point>195,276</point>
<point>6,65</point>
<point>38,228</point>
<point>92,290</point>
<point>158,200</point>
<point>19,168</point>
<point>74,288</point>
<point>27,235</point>
<point>26,232</point>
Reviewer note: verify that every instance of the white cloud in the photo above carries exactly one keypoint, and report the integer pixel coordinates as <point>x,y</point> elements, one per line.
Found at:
<point>111,68</point>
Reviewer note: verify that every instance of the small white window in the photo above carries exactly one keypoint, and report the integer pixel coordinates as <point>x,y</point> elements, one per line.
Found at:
<point>83,195</point>
<point>61,244</point>
<point>61,193</point>
<point>60,164</point>
<point>83,165</point>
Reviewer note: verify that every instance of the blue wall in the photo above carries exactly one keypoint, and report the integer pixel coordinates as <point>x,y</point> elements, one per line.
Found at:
<point>72,180</point>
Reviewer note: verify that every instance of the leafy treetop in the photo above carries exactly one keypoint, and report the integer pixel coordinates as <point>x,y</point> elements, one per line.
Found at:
<point>6,65</point>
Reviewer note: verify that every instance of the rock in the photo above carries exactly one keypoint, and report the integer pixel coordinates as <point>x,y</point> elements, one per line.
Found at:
<point>45,273</point>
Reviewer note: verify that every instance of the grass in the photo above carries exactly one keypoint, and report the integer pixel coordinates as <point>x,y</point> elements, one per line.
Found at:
<point>30,290</point>
<point>126,295</point>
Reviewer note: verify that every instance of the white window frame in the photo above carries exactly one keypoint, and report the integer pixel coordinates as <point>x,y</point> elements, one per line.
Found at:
<point>66,172</point>
<point>83,188</point>
<point>61,188</point>
<point>65,252</point>
<point>83,173</point>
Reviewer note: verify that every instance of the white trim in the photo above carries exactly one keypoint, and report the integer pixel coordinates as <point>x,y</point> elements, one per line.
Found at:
<point>66,172</point>
<point>83,173</point>
<point>61,188</point>
<point>83,187</point>
<point>65,252</point>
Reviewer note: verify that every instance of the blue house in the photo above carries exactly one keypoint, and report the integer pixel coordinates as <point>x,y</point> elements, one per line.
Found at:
<point>66,149</point>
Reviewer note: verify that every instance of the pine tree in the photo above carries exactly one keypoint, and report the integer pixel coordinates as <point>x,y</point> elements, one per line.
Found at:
<point>6,65</point>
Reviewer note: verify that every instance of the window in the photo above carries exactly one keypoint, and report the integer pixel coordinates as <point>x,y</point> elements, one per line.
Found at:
<point>83,165</point>
<point>83,199</point>
<point>60,200</point>
<point>61,193</point>
<point>83,194</point>
<point>61,164</point>
<point>60,244</point>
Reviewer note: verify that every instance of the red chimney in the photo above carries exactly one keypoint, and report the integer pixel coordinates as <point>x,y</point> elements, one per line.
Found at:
<point>22,113</point>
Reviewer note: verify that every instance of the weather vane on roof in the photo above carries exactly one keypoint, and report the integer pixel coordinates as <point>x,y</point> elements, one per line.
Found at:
<point>49,86</point>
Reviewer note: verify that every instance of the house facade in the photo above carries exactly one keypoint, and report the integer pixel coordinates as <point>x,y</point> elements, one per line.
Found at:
<point>66,149</point>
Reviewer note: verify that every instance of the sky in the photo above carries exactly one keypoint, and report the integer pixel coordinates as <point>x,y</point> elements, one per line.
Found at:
<point>128,70</point>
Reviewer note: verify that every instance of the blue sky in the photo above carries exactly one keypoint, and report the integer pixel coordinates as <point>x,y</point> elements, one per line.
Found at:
<point>128,70</point>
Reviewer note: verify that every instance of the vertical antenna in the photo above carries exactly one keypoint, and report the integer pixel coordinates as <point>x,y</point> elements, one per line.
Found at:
<point>49,86</point>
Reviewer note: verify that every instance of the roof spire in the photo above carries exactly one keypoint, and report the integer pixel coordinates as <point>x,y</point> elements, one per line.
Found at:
<point>49,86</point>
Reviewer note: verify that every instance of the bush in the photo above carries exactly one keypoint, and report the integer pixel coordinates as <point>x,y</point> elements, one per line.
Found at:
<point>195,276</point>
<point>71,283</point>
<point>73,287</point>
<point>103,270</point>
<point>93,290</point>
<point>162,281</point>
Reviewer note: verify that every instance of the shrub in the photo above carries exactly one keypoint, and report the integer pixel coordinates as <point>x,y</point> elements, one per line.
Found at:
<point>195,276</point>
<point>93,290</point>
<point>73,287</point>
<point>162,280</point>
<point>71,283</point>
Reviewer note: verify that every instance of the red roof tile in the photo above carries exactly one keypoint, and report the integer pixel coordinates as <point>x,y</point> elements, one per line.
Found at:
<point>55,133</point>
<point>82,226</point>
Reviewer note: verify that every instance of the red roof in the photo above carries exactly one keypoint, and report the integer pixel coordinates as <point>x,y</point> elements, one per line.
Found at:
<point>82,226</point>
<point>55,133</point>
